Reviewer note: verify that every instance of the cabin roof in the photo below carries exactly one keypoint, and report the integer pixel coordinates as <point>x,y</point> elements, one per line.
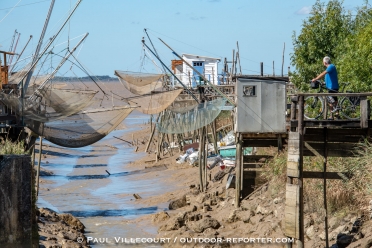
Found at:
<point>258,77</point>
<point>199,56</point>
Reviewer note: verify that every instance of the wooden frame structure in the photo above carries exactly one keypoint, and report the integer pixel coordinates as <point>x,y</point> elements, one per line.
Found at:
<point>322,138</point>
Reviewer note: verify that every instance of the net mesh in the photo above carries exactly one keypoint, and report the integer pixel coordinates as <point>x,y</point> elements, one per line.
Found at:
<point>81,129</point>
<point>191,120</point>
<point>50,105</point>
<point>156,102</point>
<point>140,83</point>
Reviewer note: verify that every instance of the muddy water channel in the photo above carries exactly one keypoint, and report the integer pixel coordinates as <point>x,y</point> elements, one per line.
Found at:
<point>95,184</point>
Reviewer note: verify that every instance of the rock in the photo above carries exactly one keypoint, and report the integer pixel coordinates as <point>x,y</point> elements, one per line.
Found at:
<point>173,224</point>
<point>233,217</point>
<point>203,224</point>
<point>159,217</point>
<point>310,232</point>
<point>333,222</point>
<point>277,200</point>
<point>202,198</point>
<point>333,235</point>
<point>356,225</point>
<point>72,221</point>
<point>179,203</point>
<point>368,244</point>
<point>343,240</point>
<point>261,210</point>
<point>308,221</point>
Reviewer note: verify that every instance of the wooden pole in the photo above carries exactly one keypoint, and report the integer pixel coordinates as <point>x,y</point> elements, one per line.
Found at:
<point>273,69</point>
<point>200,159</point>
<point>283,60</point>
<point>205,157</point>
<point>238,168</point>
<point>152,135</point>
<point>214,136</point>
<point>38,165</point>
<point>325,186</point>
<point>300,242</point>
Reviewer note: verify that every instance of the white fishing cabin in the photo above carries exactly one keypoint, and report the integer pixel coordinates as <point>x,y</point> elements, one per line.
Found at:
<point>207,66</point>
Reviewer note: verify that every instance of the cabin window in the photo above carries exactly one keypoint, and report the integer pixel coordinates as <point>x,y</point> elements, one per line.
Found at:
<point>249,90</point>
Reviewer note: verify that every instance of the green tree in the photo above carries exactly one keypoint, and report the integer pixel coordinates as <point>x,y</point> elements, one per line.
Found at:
<point>321,34</point>
<point>355,63</point>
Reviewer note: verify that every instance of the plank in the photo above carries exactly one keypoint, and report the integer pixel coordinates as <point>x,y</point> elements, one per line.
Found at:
<point>329,175</point>
<point>260,143</point>
<point>256,158</point>
<point>292,211</point>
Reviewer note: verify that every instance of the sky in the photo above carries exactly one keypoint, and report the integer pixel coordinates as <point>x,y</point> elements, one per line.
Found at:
<point>201,27</point>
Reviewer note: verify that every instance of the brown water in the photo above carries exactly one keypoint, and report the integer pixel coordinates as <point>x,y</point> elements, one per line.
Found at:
<point>104,203</point>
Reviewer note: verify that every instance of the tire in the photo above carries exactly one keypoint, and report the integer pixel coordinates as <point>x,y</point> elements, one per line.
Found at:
<point>349,110</point>
<point>313,107</point>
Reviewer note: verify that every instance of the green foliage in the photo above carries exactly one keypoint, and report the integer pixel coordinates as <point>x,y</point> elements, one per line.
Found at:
<point>356,59</point>
<point>321,34</point>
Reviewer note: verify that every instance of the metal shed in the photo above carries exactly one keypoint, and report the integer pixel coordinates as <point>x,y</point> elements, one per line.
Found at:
<point>261,104</point>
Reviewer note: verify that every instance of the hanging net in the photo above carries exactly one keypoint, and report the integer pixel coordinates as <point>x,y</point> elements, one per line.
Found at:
<point>81,129</point>
<point>191,120</point>
<point>50,105</point>
<point>182,106</point>
<point>155,102</point>
<point>140,83</point>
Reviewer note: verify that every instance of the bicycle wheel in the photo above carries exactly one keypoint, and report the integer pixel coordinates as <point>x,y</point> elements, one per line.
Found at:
<point>350,110</point>
<point>313,107</point>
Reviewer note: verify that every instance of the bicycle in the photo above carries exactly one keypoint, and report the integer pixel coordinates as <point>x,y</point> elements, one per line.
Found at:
<point>347,106</point>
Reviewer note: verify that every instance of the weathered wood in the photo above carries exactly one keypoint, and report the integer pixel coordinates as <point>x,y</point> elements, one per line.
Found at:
<point>264,135</point>
<point>293,158</point>
<point>332,153</point>
<point>332,94</point>
<point>364,114</point>
<point>301,238</point>
<point>329,175</point>
<point>308,146</point>
<point>201,137</point>
<point>137,196</point>
<point>292,210</point>
<point>38,165</point>
<point>256,158</point>
<point>260,143</point>
<point>238,159</point>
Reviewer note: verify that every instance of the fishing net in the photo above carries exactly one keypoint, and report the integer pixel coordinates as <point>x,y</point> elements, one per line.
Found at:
<point>50,104</point>
<point>81,129</point>
<point>182,106</point>
<point>191,120</point>
<point>140,83</point>
<point>155,102</point>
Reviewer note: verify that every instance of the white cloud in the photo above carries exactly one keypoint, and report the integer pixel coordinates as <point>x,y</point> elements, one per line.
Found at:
<point>304,10</point>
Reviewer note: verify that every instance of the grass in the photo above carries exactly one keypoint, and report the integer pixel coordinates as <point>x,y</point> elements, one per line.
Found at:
<point>352,194</point>
<point>8,146</point>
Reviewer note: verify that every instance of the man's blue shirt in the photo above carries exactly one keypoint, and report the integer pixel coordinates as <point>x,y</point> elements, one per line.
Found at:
<point>331,79</point>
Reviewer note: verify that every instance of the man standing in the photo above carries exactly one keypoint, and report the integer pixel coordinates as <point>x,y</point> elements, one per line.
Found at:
<point>331,82</point>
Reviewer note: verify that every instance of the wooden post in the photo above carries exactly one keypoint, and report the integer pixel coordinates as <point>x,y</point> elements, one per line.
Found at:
<point>283,60</point>
<point>238,169</point>
<point>152,135</point>
<point>300,178</point>
<point>325,186</point>
<point>261,68</point>
<point>214,136</point>
<point>364,112</point>
<point>205,146</point>
<point>38,165</point>
<point>200,158</point>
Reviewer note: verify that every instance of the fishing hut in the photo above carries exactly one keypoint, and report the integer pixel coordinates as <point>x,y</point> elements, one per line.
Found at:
<point>207,66</point>
<point>260,121</point>
<point>7,115</point>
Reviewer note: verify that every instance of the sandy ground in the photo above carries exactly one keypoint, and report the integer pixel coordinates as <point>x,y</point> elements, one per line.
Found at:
<point>199,219</point>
